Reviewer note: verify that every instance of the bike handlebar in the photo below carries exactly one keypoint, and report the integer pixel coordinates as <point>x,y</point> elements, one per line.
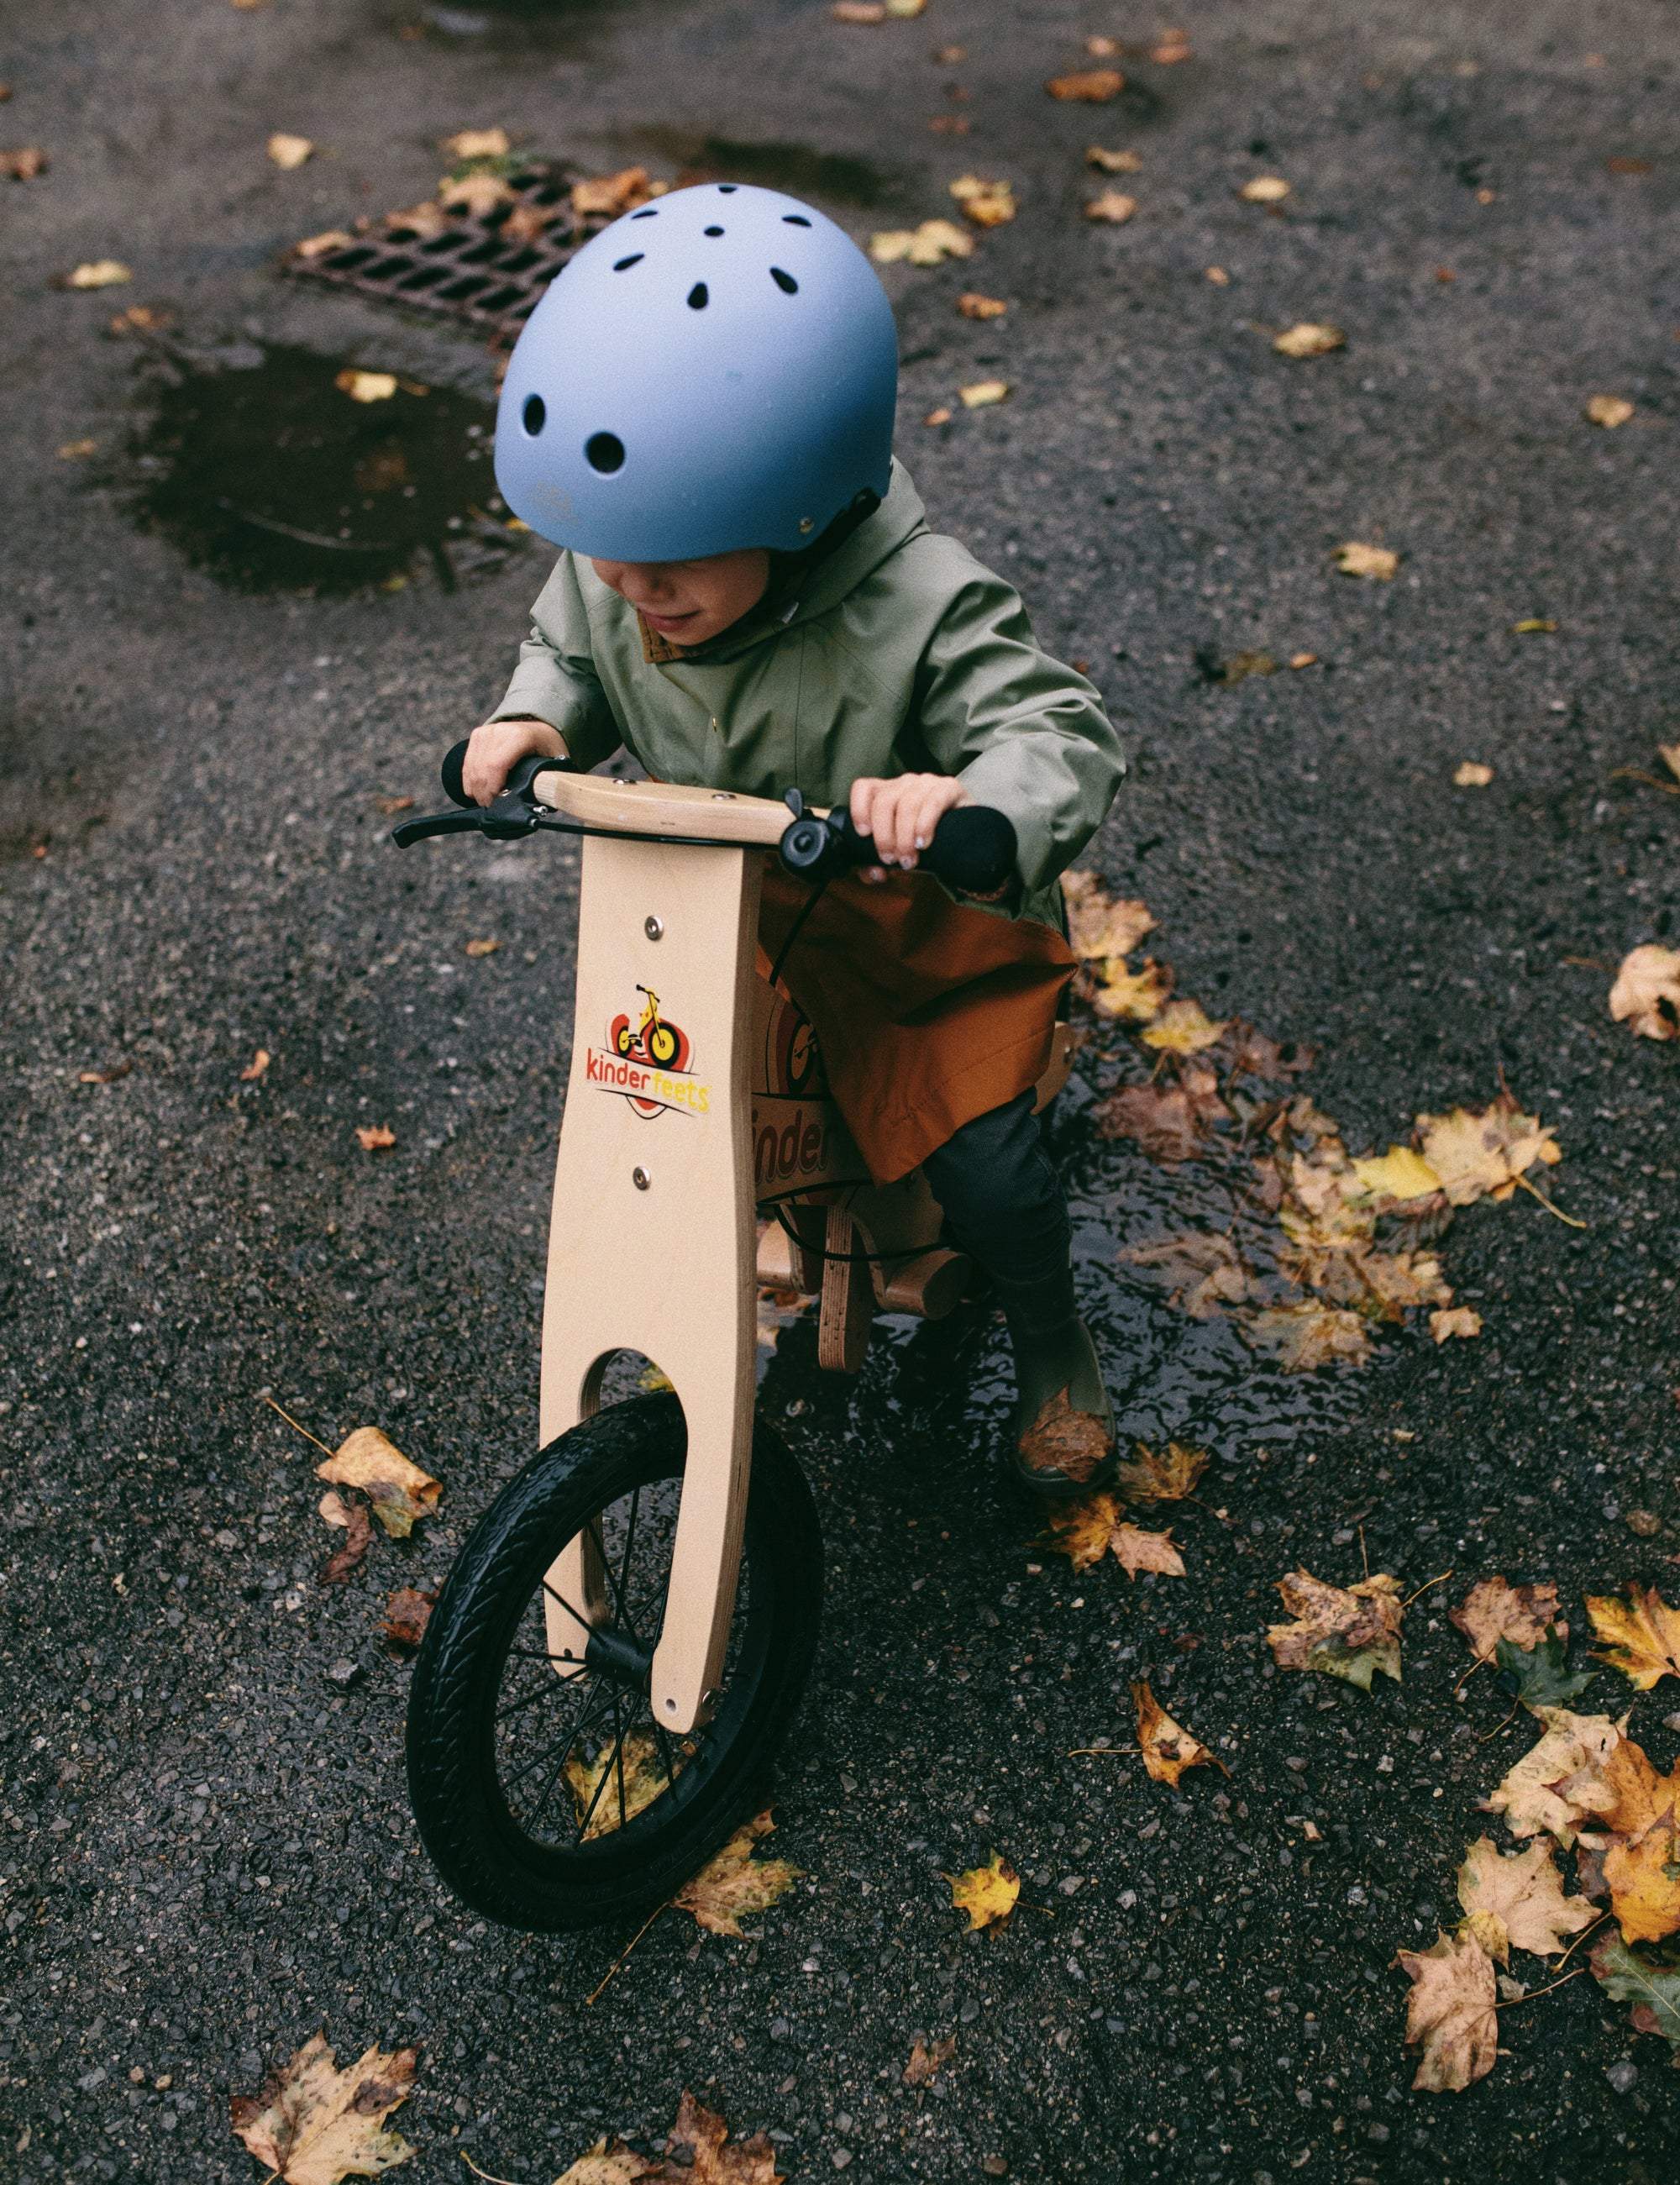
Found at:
<point>974,847</point>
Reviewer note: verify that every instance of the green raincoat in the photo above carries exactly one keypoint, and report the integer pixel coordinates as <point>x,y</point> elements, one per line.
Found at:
<point>898,653</point>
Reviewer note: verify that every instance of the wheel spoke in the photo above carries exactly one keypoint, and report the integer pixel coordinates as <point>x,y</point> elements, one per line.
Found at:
<point>618,1749</point>
<point>629,1547</point>
<point>612,1580</point>
<point>600,1785</point>
<point>578,1726</point>
<point>582,1620</point>
<point>548,1787</point>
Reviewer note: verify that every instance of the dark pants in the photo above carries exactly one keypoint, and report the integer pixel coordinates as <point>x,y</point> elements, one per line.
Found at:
<point>1004,1206</point>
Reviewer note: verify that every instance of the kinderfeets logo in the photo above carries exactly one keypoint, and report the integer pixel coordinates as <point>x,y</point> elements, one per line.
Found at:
<point>647,1062</point>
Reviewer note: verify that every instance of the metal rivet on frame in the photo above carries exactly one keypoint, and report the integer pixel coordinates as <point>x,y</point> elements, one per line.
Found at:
<point>654,929</point>
<point>641,1178</point>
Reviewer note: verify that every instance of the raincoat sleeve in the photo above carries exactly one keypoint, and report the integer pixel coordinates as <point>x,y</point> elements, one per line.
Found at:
<point>1019,730</point>
<point>555,680</point>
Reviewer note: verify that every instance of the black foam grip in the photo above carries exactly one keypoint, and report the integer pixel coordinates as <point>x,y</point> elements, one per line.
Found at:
<point>454,759</point>
<point>973,848</point>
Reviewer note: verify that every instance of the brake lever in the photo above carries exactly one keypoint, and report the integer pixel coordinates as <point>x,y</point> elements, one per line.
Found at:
<point>515,813</point>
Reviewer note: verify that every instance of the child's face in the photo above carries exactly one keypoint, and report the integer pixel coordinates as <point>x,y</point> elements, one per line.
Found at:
<point>689,602</point>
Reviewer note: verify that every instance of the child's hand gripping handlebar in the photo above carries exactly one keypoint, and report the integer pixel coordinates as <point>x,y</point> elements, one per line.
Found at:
<point>973,849</point>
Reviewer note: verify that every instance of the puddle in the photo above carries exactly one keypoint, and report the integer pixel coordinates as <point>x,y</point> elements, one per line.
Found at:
<point>837,177</point>
<point>268,476</point>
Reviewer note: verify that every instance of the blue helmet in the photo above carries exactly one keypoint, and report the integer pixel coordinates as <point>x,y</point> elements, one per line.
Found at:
<point>717,370</point>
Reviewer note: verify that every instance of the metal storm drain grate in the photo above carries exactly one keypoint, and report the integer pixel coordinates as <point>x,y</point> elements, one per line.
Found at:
<point>483,251</point>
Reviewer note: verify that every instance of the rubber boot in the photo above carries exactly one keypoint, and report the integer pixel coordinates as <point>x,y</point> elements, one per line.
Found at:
<point>1062,1446</point>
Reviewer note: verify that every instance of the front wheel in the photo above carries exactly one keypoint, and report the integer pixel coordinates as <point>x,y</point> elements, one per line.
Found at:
<point>550,1801</point>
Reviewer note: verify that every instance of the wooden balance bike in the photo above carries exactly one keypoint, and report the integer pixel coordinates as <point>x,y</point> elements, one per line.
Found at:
<point>622,1644</point>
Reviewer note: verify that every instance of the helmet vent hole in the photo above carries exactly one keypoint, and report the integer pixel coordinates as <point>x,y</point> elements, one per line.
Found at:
<point>795,220</point>
<point>714,231</point>
<point>651,213</point>
<point>534,414</point>
<point>603,452</point>
<point>698,298</point>
<point>624,265</point>
<point>727,189</point>
<point>785,282</point>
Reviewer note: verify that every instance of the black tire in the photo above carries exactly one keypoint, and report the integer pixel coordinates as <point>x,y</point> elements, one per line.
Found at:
<point>504,1865</point>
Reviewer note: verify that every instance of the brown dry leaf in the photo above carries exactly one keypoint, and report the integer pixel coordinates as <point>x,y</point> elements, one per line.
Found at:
<point>1304,660</point>
<point>1170,48</point>
<point>1159,1118</point>
<point>1647,989</point>
<point>1494,1609</point>
<point>1184,1028</point>
<point>1450,2013</point>
<point>1309,338</point>
<point>313,2124</point>
<point>1112,205</point>
<point>1084,1532</point>
<point>1242,665</point>
<point>1167,1748</point>
<point>407,1613</point>
<point>1112,163</point>
<point>1133,997</point>
<point>98,273</point>
<point>933,241</point>
<point>614,2161</point>
<point>400,1492</point>
<point>1623,1794</point>
<point>698,2151</point>
<point>376,1137</point>
<point>288,152</point>
<point>925,2062</point>
<point>143,319</point>
<point>255,1067</point>
<point>484,948</point>
<point>1398,1177</point>
<point>1670,755</point>
<point>1098,925</point>
<point>982,394</point>
<point>1349,1632</point>
<point>1536,1795</point>
<point>353,1517</point>
<point>477,193</point>
<point>1641,1634</point>
<point>1135,1549</point>
<point>1206,1267</point>
<point>1264,189</point>
<point>1091,86</point>
<point>987,204</point>
<point>112,1074</point>
<point>611,194</point>
<point>1166,1476</point>
<point>24,162</point>
<point>975,306</point>
<point>525,224</point>
<point>1478,1154</point>
<point>476,144</point>
<point>987,1893</point>
<point>1306,1336</point>
<point>1220,279</point>
<point>1472,774</point>
<point>366,386</point>
<point>424,221</point>
<point>1072,1441</point>
<point>1521,1894</point>
<point>1607,409</point>
<point>940,417</point>
<point>734,1883</point>
<point>859,11</point>
<point>1460,1320</point>
<point>76,452</point>
<point>1354,558</point>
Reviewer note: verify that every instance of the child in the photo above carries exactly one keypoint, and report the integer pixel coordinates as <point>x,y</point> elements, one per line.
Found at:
<point>699,413</point>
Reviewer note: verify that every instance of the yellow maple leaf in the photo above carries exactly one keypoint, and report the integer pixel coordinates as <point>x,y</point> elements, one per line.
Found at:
<point>924,245</point>
<point>1538,1794</point>
<point>986,204</point>
<point>1494,1609</point>
<point>987,1893</point>
<point>1184,1028</point>
<point>1167,1748</point>
<point>981,394</point>
<point>1132,996</point>
<point>1642,1865</point>
<point>1399,1174</point>
<point>1641,1634</point>
<point>1164,1476</point>
<point>734,1882</point>
<point>1354,557</point>
<point>313,2124</point>
<point>400,1492</point>
<point>1520,1894</point>
<point>1309,338</point>
<point>1647,989</point>
<point>593,1784</point>
<point>1097,924</point>
<point>1475,1153</point>
<point>1450,2013</point>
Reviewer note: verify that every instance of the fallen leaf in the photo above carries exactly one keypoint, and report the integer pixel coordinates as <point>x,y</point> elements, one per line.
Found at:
<point>478,192</point>
<point>986,204</point>
<point>1132,996</point>
<point>484,948</point>
<point>1112,163</point>
<point>1458,1320</point>
<point>1540,1675</point>
<point>98,273</point>
<point>1167,1748</point>
<point>1521,1894</point>
<point>1112,205</point>
<point>983,393</point>
<point>142,319</point>
<point>1159,1118</point>
<point>1534,1797</point>
<point>1533,626</point>
<point>255,1067</point>
<point>987,1893</point>
<point>24,162</point>
<point>1220,279</point>
<point>1304,660</point>
<point>1135,1549</point>
<point>1641,1634</point>
<point>1353,558</point>
<point>358,1538</point>
<point>76,451</point>
<point>1073,1442</point>
<point>476,144</point>
<point>1086,1531</point>
<point>974,307</point>
<point>366,386</point>
<point>1349,1632</point>
<point>734,1883</point>
<point>1184,1028</point>
<point>1171,47</point>
<point>1450,2013</point>
<point>906,10</point>
<point>1624,1795</point>
<point>593,1783</point>
<point>926,245</point>
<point>1647,990</point>
<point>288,152</point>
<point>312,2124</point>
<point>925,2062</point>
<point>407,1613</point>
<point>1206,1267</point>
<point>1264,189</point>
<point>1096,924</point>
<point>1670,755</point>
<point>1494,1609</point>
<point>1607,409</point>
<point>1242,665</point>
<point>699,2151</point>
<point>1309,338</point>
<point>388,805</point>
<point>608,195</point>
<point>111,1074</point>
<point>1472,773</point>
<point>400,1492</point>
<point>1164,1476</point>
<point>1306,1336</point>
<point>1484,1153</point>
<point>859,11</point>
<point>1397,1177</point>
<point>1101,47</point>
<point>1091,86</point>
<point>937,417</point>
<point>376,1137</point>
<point>1651,1985</point>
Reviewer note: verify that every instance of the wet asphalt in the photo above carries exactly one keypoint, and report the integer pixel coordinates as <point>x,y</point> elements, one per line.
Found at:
<point>207,1851</point>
